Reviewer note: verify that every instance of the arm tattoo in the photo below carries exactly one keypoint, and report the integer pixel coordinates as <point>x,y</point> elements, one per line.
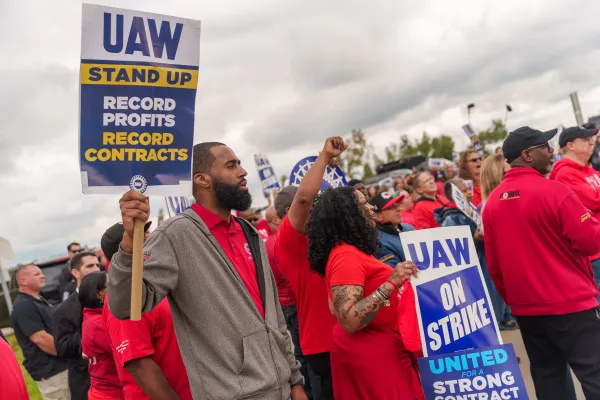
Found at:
<point>349,304</point>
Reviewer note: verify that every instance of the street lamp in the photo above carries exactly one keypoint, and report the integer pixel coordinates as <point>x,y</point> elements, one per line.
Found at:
<point>469,106</point>
<point>508,109</point>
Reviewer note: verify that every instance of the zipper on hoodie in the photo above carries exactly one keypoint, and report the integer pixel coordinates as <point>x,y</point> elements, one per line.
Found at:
<point>273,358</point>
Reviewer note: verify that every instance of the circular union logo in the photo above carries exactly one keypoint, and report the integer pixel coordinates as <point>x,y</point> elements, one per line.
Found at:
<point>386,195</point>
<point>138,183</point>
<point>505,195</point>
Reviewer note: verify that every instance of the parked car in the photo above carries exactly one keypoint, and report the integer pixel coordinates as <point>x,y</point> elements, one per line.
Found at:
<point>51,291</point>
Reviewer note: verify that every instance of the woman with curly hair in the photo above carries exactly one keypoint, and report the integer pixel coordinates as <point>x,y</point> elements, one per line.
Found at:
<point>369,359</point>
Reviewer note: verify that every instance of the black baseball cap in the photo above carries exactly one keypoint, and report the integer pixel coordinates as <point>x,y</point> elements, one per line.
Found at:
<point>384,200</point>
<point>570,134</point>
<point>523,138</point>
<point>112,239</point>
<point>284,199</point>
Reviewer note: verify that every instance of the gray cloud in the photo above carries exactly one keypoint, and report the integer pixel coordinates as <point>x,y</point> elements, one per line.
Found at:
<point>279,77</point>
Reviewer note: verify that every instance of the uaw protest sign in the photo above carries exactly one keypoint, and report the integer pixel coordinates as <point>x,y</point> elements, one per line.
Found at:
<point>138,79</point>
<point>453,305</point>
<point>489,373</point>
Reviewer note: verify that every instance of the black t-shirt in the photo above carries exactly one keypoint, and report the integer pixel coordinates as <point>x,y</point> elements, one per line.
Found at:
<point>31,315</point>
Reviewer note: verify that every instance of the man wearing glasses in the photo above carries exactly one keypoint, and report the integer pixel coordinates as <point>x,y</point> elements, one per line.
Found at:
<point>538,237</point>
<point>577,144</point>
<point>66,281</point>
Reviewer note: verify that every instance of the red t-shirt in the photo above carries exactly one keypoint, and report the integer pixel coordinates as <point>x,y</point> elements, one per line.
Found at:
<point>349,266</point>
<point>232,240</point>
<point>96,346</point>
<point>12,383</point>
<point>152,336</point>
<point>284,289</point>
<point>263,229</point>
<point>314,318</point>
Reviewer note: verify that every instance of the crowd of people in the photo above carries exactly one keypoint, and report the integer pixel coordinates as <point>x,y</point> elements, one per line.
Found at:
<point>314,300</point>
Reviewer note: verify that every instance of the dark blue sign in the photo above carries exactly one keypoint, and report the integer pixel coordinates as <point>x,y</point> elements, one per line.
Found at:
<point>118,149</point>
<point>455,313</point>
<point>489,373</point>
<point>332,178</point>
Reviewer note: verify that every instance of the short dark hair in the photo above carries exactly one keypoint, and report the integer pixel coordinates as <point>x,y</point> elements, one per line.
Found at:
<point>90,285</point>
<point>72,244</point>
<point>203,156</point>
<point>77,259</point>
<point>354,182</point>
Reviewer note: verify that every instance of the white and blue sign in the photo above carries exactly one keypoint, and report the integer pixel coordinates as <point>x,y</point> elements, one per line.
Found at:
<point>176,205</point>
<point>266,173</point>
<point>332,178</point>
<point>138,80</point>
<point>453,305</point>
<point>466,206</point>
<point>490,373</point>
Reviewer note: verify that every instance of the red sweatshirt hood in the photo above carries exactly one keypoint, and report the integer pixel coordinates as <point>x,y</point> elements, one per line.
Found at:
<point>564,165</point>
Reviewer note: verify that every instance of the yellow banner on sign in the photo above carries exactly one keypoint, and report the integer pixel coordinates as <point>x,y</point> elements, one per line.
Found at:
<point>138,75</point>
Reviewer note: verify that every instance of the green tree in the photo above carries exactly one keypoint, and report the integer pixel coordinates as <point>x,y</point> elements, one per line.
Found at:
<point>495,133</point>
<point>406,149</point>
<point>392,152</point>
<point>423,146</point>
<point>368,171</point>
<point>443,147</point>
<point>353,158</point>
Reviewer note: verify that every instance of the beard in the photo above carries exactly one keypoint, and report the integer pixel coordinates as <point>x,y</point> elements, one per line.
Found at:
<point>231,196</point>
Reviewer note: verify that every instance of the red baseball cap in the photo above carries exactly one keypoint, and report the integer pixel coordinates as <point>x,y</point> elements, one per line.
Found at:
<point>384,200</point>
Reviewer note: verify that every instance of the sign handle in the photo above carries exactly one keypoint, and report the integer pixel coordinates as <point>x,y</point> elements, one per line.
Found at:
<point>137,270</point>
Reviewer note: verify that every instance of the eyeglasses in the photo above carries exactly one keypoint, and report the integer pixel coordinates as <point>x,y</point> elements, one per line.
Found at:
<point>474,160</point>
<point>253,219</point>
<point>75,251</point>
<point>537,146</point>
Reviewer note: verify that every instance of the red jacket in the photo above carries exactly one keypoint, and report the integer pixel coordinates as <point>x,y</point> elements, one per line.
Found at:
<point>538,236</point>
<point>96,346</point>
<point>423,211</point>
<point>585,182</point>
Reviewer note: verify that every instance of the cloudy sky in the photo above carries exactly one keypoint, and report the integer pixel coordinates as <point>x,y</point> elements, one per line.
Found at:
<point>278,77</point>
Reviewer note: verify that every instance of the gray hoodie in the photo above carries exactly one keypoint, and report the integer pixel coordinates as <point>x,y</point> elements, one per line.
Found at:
<point>229,351</point>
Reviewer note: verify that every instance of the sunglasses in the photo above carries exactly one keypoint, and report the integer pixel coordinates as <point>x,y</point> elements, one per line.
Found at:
<point>253,219</point>
<point>76,251</point>
<point>538,146</point>
<point>474,160</point>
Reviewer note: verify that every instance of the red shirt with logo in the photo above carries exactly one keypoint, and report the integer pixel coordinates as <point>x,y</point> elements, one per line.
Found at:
<point>95,344</point>
<point>538,237</point>
<point>314,318</point>
<point>585,182</point>
<point>232,240</point>
<point>152,336</point>
<point>284,289</point>
<point>12,383</point>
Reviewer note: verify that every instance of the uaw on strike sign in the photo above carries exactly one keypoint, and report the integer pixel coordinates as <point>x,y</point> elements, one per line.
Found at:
<point>464,355</point>
<point>138,79</point>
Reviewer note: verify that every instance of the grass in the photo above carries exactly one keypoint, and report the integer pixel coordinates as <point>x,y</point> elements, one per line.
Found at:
<point>32,389</point>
